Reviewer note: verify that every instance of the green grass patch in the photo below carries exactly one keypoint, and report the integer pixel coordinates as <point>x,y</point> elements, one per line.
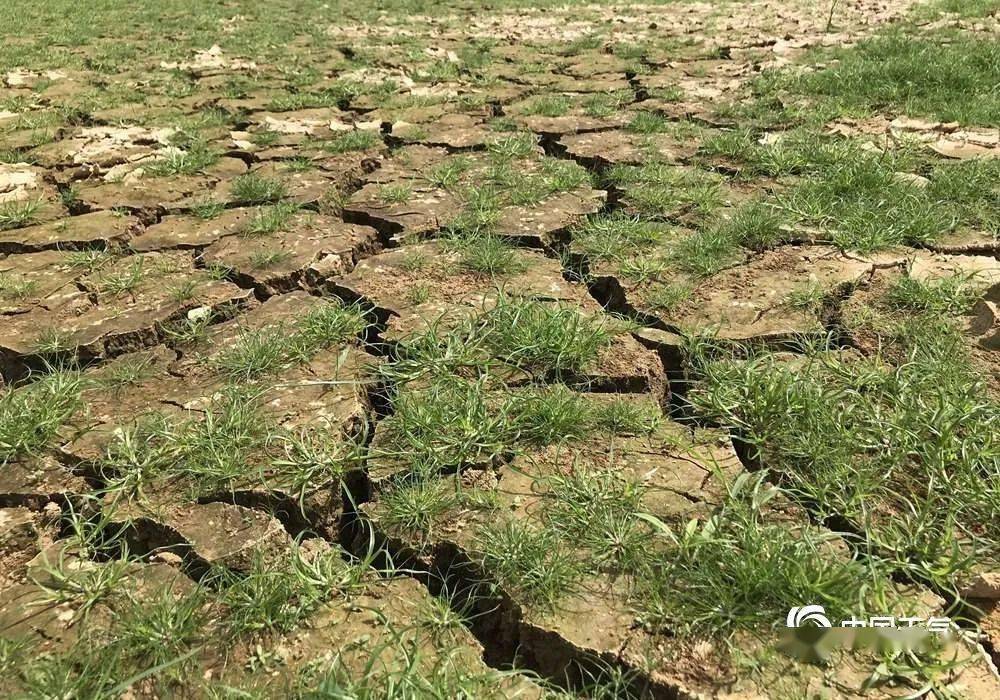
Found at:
<point>904,450</point>
<point>264,351</point>
<point>950,76</point>
<point>252,188</point>
<point>31,416</point>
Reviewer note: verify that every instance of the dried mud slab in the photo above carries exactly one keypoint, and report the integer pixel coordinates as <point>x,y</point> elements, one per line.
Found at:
<point>45,280</point>
<point>161,379</point>
<point>378,632</point>
<point>211,534</point>
<point>426,209</point>
<point>34,482</point>
<point>310,249</point>
<point>122,306</point>
<point>574,121</point>
<point>321,122</point>
<point>946,139</point>
<point>606,148</point>
<point>546,223</point>
<point>418,287</point>
<point>967,243</point>
<point>421,190</point>
<point>27,197</point>
<point>413,285</point>
<point>753,301</point>
<point>302,187</point>
<point>984,323</point>
<point>180,231</point>
<point>456,131</point>
<point>322,400</point>
<point>101,229</point>
<point>210,61</point>
<point>40,612</point>
<point>95,150</point>
<point>157,194</point>
<point>24,534</point>
<point>867,316</point>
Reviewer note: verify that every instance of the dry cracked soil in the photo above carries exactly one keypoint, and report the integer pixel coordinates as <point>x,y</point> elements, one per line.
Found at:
<point>489,350</point>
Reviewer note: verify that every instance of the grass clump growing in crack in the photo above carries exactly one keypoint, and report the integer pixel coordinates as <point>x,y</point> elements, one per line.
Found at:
<point>447,174</point>
<point>273,597</point>
<point>30,416</point>
<point>233,443</point>
<point>252,188</point>
<point>188,161</point>
<point>394,194</point>
<point>416,507</point>
<point>449,423</point>
<point>902,449</point>
<point>542,337</point>
<point>549,106</point>
<point>486,254</point>
<point>647,123</point>
<point>18,213</point>
<point>662,190</point>
<point>610,236</point>
<point>531,563</point>
<point>864,206</point>
<point>125,280</point>
<point>951,295</point>
<point>355,140</point>
<point>16,288</point>
<point>736,571</point>
<point>268,220</point>
<point>513,147</point>
<point>263,351</point>
<point>947,76</point>
<point>596,510</point>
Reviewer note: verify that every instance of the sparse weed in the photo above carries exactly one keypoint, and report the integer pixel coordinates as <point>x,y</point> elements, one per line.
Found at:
<point>252,188</point>
<point>30,416</point>
<point>182,162</point>
<point>16,288</point>
<point>394,194</point>
<point>355,140</point>
<point>18,213</point>
<point>268,220</point>
<point>531,563</point>
<point>263,259</point>
<point>486,254</point>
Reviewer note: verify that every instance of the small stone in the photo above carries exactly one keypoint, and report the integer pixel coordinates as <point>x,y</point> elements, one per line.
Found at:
<point>199,314</point>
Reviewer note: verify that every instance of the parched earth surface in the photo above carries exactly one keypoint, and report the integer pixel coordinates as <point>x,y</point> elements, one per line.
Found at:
<point>524,350</point>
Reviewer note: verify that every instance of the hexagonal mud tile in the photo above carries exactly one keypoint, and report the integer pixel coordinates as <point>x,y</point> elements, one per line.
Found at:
<point>310,249</point>
<point>210,534</point>
<point>606,148</point>
<point>46,279</point>
<point>185,231</point>
<point>33,482</point>
<point>754,300</point>
<point>102,147</point>
<point>99,229</point>
<point>401,279</point>
<point>451,130</point>
<point>121,307</point>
